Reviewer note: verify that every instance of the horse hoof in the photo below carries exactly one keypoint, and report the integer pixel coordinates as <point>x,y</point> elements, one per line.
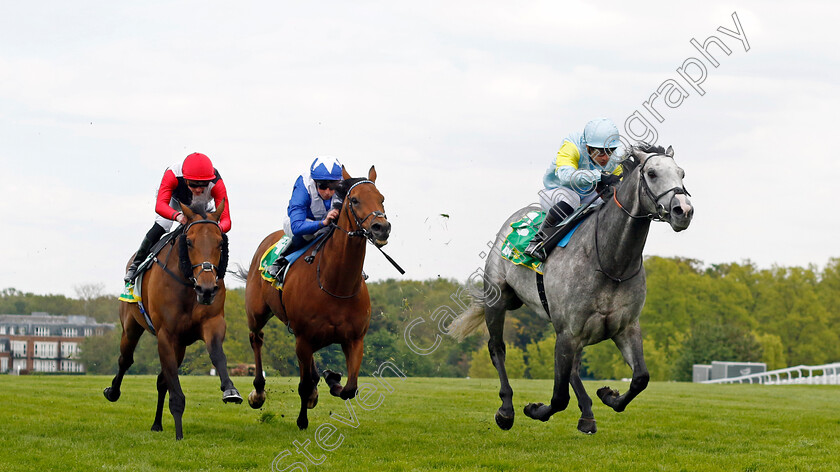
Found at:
<point>157,427</point>
<point>538,411</point>
<point>256,400</point>
<point>347,394</point>
<point>302,422</point>
<point>587,426</point>
<point>111,394</point>
<point>504,422</point>
<point>332,377</point>
<point>232,396</point>
<point>609,397</point>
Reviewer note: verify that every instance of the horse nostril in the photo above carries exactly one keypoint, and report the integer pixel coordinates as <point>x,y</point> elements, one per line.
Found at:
<point>376,227</point>
<point>677,211</point>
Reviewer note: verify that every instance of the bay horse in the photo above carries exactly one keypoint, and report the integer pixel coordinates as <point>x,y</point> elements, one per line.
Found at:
<point>183,307</point>
<point>594,288</point>
<point>325,301</point>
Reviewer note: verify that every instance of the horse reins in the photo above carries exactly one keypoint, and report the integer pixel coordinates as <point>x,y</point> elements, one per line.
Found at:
<point>660,216</point>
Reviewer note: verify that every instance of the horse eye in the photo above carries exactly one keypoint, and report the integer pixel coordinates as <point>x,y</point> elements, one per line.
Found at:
<point>354,201</point>
<point>189,243</point>
<point>652,174</point>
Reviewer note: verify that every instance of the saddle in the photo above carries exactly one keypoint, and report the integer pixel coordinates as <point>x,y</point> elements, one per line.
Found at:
<point>273,253</point>
<point>166,239</point>
<point>524,230</point>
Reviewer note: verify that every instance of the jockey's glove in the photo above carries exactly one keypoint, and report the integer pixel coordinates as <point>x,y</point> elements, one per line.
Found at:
<point>609,179</point>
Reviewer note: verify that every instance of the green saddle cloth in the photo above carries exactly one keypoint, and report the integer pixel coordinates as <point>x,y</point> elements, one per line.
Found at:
<point>269,256</point>
<point>521,234</point>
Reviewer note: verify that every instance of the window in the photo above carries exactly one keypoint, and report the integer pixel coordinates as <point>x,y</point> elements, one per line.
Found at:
<point>11,330</point>
<point>88,331</point>
<point>2,329</point>
<point>19,348</point>
<point>69,332</point>
<point>45,349</point>
<point>69,349</point>
<point>42,331</point>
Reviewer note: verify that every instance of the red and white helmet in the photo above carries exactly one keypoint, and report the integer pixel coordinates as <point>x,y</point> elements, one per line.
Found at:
<point>197,166</point>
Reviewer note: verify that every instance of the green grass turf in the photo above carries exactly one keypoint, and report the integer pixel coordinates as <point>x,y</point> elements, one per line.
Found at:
<point>64,423</point>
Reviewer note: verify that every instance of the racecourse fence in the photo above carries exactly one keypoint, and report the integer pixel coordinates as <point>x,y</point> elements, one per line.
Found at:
<point>828,374</point>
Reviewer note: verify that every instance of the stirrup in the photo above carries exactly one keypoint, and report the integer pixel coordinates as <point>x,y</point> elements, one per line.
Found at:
<point>131,274</point>
<point>276,268</point>
<point>537,251</point>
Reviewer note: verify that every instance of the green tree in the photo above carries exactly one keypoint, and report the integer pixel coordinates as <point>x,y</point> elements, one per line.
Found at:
<point>482,367</point>
<point>715,342</point>
<point>541,358</point>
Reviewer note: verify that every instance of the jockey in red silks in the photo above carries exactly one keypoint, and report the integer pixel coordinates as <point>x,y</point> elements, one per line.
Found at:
<point>312,207</point>
<point>195,183</point>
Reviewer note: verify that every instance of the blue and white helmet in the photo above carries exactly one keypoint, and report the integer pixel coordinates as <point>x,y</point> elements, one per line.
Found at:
<point>325,168</point>
<point>601,133</point>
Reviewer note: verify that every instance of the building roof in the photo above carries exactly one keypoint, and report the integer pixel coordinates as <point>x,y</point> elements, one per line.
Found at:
<point>42,318</point>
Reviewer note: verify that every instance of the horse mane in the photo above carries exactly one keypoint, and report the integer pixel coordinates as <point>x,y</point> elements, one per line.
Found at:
<point>345,185</point>
<point>630,161</point>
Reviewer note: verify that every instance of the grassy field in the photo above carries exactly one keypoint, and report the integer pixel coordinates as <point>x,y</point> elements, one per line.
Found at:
<point>64,423</point>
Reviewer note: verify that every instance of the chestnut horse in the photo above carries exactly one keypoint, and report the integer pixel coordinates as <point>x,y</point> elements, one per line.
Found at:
<point>183,307</point>
<point>325,301</point>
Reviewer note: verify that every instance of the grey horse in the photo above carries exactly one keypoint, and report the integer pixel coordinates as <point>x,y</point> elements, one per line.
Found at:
<point>594,288</point>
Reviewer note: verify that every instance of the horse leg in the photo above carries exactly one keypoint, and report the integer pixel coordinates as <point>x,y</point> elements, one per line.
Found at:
<point>564,357</point>
<point>495,318</point>
<point>586,423</point>
<point>161,389</point>
<point>214,337</point>
<point>255,323</point>
<point>171,356</point>
<point>315,377</point>
<point>629,342</point>
<point>353,352</point>
<point>306,385</point>
<point>128,342</point>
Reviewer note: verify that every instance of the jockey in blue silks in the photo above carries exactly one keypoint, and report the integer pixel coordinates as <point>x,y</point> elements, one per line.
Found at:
<point>585,161</point>
<point>312,207</point>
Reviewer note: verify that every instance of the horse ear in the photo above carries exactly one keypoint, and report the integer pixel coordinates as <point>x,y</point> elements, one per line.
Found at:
<point>186,211</point>
<point>372,174</point>
<point>344,174</point>
<point>217,215</point>
<point>670,152</point>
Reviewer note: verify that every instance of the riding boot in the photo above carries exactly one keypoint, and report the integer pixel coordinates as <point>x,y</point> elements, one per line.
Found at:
<point>277,267</point>
<point>540,246</point>
<point>149,240</point>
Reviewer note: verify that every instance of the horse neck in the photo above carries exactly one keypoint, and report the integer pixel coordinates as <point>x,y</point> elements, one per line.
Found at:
<point>620,238</point>
<point>342,259</point>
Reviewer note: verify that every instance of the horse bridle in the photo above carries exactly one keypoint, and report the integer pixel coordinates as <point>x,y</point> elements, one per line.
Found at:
<point>361,230</point>
<point>206,266</point>
<point>661,211</point>
<point>660,215</point>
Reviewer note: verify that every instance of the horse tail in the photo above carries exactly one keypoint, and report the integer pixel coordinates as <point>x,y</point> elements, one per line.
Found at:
<point>240,273</point>
<point>469,321</point>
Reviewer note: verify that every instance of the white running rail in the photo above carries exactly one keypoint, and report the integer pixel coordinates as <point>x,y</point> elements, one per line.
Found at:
<point>828,374</point>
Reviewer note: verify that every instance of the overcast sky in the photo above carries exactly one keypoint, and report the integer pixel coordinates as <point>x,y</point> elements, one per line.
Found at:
<point>460,105</point>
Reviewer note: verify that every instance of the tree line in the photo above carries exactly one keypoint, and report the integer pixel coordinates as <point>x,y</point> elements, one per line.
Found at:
<point>693,314</point>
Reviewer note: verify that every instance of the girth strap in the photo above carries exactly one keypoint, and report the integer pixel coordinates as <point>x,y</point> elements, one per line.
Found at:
<point>541,292</point>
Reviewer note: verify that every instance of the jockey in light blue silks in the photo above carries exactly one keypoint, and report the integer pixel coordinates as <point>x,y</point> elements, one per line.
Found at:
<point>312,207</point>
<point>585,161</point>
